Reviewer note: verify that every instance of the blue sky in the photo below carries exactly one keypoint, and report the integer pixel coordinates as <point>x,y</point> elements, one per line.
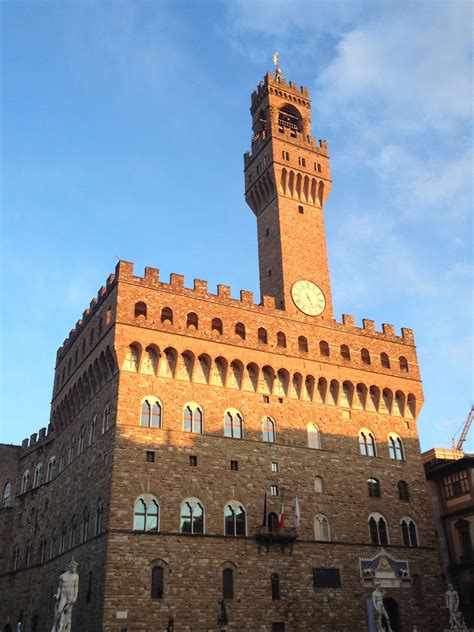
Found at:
<point>123,130</point>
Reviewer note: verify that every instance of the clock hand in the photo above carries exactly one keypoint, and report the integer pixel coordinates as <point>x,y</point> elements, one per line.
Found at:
<point>308,297</point>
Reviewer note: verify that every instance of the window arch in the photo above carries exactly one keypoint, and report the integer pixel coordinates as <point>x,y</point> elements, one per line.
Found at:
<point>99,518</point>
<point>409,532</point>
<point>192,418</point>
<point>365,356</point>
<point>106,419</point>
<point>38,475</point>
<point>140,310</point>
<point>373,487</point>
<point>93,430</point>
<point>268,430</point>
<point>192,516</point>
<point>25,482</point>
<point>345,352</point>
<point>318,484</point>
<point>157,582</point>
<point>240,331</point>
<point>324,349</point>
<point>367,445</point>
<point>167,315</point>
<point>146,513</point>
<point>132,358</point>
<point>192,320</point>
<point>281,340</point>
<point>7,494</point>
<point>321,528</point>
<point>403,490</point>
<point>150,413</point>
<point>216,325</point>
<point>85,525</point>
<point>302,344</point>
<point>314,436</point>
<point>234,519</point>
<point>378,529</point>
<point>262,335</point>
<point>403,364</point>
<point>384,360</point>
<point>51,471</point>
<point>395,448</point>
<point>275,584</point>
<point>228,583</point>
<point>233,424</point>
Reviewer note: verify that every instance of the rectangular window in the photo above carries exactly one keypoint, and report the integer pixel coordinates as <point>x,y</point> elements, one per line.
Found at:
<point>275,467</point>
<point>150,456</point>
<point>456,484</point>
<point>326,577</point>
<point>301,161</point>
<point>193,461</point>
<point>274,490</point>
<point>266,399</point>
<point>300,209</point>
<point>234,466</point>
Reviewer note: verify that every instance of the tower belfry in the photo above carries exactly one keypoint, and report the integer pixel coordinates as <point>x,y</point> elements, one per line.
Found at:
<point>287,182</point>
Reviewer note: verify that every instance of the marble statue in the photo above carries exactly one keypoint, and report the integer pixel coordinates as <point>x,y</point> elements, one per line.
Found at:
<point>379,608</point>
<point>65,597</point>
<point>456,620</point>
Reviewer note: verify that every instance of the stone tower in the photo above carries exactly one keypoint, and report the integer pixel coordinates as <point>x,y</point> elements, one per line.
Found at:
<point>287,182</point>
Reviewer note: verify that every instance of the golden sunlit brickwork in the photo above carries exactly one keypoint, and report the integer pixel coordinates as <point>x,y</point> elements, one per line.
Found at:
<point>175,410</point>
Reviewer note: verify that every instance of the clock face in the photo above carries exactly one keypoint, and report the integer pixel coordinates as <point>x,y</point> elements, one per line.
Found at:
<point>308,298</point>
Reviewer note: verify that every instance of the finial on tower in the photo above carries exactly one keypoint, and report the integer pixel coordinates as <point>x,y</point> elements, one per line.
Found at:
<point>276,59</point>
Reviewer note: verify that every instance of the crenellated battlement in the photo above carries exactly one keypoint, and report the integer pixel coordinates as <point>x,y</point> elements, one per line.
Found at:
<point>37,439</point>
<point>288,90</point>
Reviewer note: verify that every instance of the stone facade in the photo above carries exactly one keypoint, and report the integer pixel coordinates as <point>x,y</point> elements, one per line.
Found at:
<point>312,383</point>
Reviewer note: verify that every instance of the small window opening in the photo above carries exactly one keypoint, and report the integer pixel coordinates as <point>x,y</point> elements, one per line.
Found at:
<point>275,467</point>
<point>193,461</point>
<point>216,325</point>
<point>300,209</point>
<point>150,456</point>
<point>234,466</point>
<point>140,310</point>
<point>274,490</point>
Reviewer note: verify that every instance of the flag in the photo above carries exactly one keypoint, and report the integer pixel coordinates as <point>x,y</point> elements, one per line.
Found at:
<point>264,521</point>
<point>281,517</point>
<point>297,513</point>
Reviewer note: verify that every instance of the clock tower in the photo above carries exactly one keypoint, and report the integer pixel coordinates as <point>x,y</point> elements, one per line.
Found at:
<point>287,182</point>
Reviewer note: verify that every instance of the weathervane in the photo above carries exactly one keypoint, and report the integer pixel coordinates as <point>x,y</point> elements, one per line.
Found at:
<point>276,59</point>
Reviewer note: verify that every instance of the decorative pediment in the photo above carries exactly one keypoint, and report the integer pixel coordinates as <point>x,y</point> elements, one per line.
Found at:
<point>386,569</point>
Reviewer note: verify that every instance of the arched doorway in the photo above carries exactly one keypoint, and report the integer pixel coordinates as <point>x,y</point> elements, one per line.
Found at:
<point>8,628</point>
<point>391,606</point>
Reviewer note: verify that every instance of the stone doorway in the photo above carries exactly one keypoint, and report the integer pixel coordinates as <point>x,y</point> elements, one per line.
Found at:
<point>391,607</point>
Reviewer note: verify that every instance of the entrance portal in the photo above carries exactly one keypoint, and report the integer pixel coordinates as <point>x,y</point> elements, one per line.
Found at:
<point>391,606</point>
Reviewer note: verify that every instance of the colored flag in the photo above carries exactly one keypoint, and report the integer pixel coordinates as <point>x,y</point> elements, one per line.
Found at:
<point>281,517</point>
<point>264,521</point>
<point>297,513</point>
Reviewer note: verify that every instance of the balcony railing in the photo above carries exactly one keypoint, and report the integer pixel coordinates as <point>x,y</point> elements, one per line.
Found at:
<point>283,536</point>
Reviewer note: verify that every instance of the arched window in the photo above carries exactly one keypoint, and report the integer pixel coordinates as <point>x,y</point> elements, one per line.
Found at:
<point>262,335</point>
<point>7,494</point>
<point>91,341</point>
<point>234,518</point>
<point>146,513</point>
<point>321,528</point>
<point>106,419</point>
<point>367,444</point>
<point>384,360</point>
<point>302,344</point>
<point>150,416</point>
<point>99,517</point>
<point>132,358</point>
<point>93,430</point>
<point>240,331</point>
<point>281,340</point>
<point>373,487</point>
<point>167,315</point>
<point>314,436</point>
<point>51,471</point>
<point>192,320</point>
<point>16,558</point>
<point>38,475</point>
<point>409,532</point>
<point>216,325</point>
<point>62,541</point>
<point>324,349</point>
<point>140,310</point>
<point>268,430</point>
<point>73,531</point>
<point>318,484</point>
<point>403,491</point>
<point>233,424</point>
<point>150,361</point>
<point>395,448</point>
<point>289,118</point>
<point>345,352</point>
<point>192,516</point>
<point>365,356</point>
<point>378,529</point>
<point>403,364</point>
<point>227,583</point>
<point>81,442</point>
<point>85,525</point>
<point>275,584</point>
<point>192,418</point>
<point>28,555</point>
<point>157,582</point>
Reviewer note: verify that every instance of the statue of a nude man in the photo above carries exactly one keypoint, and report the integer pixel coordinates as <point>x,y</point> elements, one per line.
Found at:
<point>66,597</point>
<point>380,612</point>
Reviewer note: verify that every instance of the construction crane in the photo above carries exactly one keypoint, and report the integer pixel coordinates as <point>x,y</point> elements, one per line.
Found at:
<point>465,429</point>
